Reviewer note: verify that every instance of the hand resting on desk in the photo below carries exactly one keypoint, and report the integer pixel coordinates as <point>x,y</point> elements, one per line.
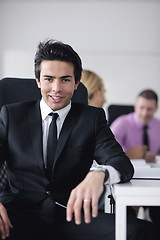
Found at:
<point>137,152</point>
<point>150,157</point>
<point>140,152</point>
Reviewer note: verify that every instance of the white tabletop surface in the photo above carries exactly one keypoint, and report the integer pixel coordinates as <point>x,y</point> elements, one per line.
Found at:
<point>139,187</point>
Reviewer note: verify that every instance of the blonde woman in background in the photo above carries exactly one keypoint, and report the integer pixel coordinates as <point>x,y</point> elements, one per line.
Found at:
<point>95,87</point>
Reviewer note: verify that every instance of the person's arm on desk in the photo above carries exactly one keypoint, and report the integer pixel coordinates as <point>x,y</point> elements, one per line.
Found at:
<point>140,152</point>
<point>150,157</point>
<point>137,152</point>
<point>109,153</point>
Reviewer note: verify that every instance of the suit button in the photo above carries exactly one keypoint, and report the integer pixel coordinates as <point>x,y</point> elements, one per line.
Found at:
<point>48,193</point>
<point>48,189</point>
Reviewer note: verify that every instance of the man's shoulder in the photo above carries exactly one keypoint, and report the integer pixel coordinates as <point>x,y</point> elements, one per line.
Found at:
<point>19,106</point>
<point>125,117</point>
<point>86,108</point>
<point>123,122</point>
<point>87,112</point>
<point>156,122</point>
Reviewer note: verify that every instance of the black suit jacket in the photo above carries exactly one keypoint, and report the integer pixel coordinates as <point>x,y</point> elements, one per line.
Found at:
<point>84,136</point>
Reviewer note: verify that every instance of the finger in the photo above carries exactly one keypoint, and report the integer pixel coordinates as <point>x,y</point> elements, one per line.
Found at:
<point>77,210</point>
<point>94,207</point>
<point>2,230</point>
<point>5,223</point>
<point>70,206</point>
<point>86,207</point>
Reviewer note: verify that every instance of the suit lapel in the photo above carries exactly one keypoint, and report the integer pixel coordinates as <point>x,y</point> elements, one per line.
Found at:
<point>35,128</point>
<point>67,127</point>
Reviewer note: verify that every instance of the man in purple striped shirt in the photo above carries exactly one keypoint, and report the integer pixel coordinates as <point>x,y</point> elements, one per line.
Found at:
<point>128,129</point>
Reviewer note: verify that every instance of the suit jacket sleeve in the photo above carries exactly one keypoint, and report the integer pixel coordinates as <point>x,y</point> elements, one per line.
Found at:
<point>108,151</point>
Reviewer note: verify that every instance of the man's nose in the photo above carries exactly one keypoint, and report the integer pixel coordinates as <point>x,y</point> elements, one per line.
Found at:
<point>145,112</point>
<point>56,87</point>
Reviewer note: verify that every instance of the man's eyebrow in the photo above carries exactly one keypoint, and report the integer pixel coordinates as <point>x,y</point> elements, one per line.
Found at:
<point>49,76</point>
<point>65,76</point>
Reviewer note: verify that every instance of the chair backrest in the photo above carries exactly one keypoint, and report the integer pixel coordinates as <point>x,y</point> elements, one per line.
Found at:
<point>14,90</point>
<point>115,111</point>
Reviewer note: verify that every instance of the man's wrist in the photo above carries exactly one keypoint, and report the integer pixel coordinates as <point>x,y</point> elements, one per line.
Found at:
<point>101,169</point>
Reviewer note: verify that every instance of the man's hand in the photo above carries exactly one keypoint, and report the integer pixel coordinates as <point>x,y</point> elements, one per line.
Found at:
<point>137,152</point>
<point>86,195</point>
<point>5,223</point>
<point>140,152</point>
<point>150,157</point>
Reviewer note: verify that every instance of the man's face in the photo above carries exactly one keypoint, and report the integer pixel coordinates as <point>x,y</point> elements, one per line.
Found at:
<point>57,83</point>
<point>145,109</point>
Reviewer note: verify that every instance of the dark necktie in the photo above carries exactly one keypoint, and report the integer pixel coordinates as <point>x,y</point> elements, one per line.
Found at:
<point>51,143</point>
<point>145,136</point>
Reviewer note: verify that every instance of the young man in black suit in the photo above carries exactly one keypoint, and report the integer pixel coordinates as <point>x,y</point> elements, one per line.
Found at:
<point>41,195</point>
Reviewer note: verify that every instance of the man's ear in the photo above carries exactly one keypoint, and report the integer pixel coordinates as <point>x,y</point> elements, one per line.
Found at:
<point>38,83</point>
<point>156,108</point>
<point>135,107</point>
<point>76,86</point>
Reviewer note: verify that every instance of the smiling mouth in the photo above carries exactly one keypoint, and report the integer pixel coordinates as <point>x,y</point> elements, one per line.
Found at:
<point>55,97</point>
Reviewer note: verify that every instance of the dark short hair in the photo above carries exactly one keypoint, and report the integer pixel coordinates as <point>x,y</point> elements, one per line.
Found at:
<point>55,50</point>
<point>149,94</point>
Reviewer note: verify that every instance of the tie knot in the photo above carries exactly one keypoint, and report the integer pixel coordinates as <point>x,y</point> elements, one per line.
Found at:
<point>54,115</point>
<point>145,127</point>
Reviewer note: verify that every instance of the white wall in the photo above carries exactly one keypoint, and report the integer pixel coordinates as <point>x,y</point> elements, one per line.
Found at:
<point>119,40</point>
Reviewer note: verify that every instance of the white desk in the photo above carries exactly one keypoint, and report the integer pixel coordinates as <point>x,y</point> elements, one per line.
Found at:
<point>134,193</point>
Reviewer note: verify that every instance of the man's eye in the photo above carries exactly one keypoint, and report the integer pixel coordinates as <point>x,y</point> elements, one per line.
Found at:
<point>66,80</point>
<point>48,79</point>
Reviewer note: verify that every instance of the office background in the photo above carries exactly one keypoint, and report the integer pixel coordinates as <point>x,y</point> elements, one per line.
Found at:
<point>118,39</point>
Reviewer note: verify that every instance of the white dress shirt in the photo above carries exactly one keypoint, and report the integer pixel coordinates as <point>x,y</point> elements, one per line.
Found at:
<point>46,120</point>
<point>114,176</point>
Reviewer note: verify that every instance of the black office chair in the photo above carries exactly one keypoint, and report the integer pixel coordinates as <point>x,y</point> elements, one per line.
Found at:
<point>14,90</point>
<point>115,111</point>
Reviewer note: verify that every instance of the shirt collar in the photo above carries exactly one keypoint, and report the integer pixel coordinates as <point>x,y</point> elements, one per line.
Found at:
<point>139,124</point>
<point>45,110</point>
